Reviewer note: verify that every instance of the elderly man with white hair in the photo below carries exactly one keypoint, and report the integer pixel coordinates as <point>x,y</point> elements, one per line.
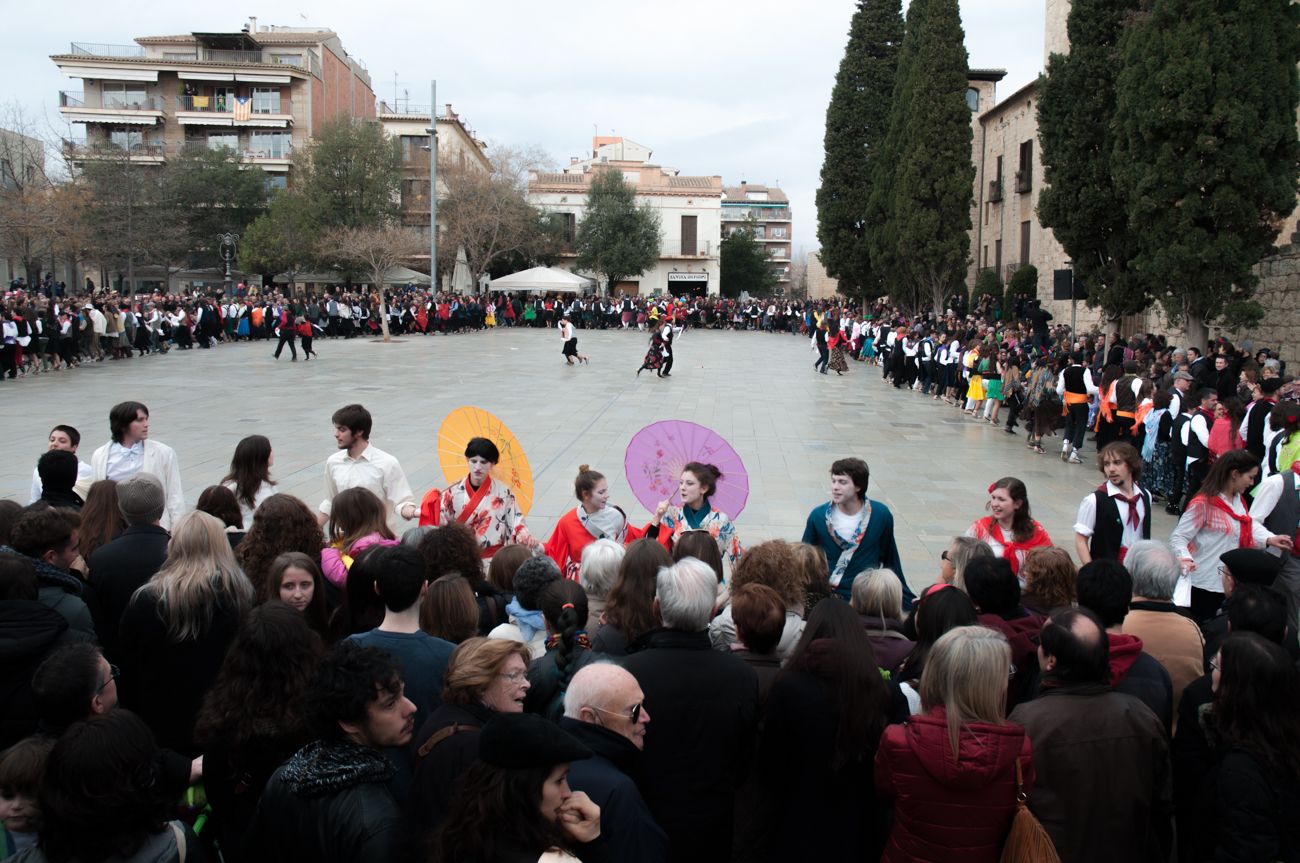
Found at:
<point>705,704</point>
<point>604,708</point>
<point>1172,638</point>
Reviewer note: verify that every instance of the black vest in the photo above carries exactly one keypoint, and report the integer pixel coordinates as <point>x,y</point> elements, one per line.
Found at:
<point>1176,446</point>
<point>1285,517</point>
<point>1124,398</point>
<point>1108,531</point>
<point>1074,380</point>
<point>1195,449</point>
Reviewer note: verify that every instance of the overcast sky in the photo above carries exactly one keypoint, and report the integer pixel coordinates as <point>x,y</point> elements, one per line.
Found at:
<point>713,87</point>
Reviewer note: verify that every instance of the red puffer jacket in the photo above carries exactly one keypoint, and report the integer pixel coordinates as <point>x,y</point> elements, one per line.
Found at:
<point>949,810</point>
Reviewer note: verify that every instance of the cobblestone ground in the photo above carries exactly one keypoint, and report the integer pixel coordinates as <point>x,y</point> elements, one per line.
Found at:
<point>929,464</point>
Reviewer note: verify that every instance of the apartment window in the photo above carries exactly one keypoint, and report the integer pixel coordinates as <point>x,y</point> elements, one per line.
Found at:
<point>413,148</point>
<point>217,140</point>
<point>1025,173</point>
<point>760,232</point>
<point>569,222</point>
<point>415,193</point>
<point>1024,244</point>
<point>275,182</point>
<point>985,262</point>
<point>779,233</point>
<point>126,139</point>
<point>997,255</point>
<point>689,224</point>
<point>124,94</point>
<point>266,100</point>
<point>999,172</point>
<point>271,145</point>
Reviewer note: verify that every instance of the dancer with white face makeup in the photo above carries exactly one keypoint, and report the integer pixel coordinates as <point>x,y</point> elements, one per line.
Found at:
<point>486,505</point>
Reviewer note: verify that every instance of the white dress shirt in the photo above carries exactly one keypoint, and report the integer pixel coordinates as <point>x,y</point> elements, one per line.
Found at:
<point>375,470</point>
<point>1085,522</point>
<point>124,462</point>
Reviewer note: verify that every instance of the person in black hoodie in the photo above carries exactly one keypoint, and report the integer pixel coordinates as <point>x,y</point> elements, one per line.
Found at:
<point>1105,588</point>
<point>57,470</point>
<point>330,803</point>
<point>29,632</point>
<point>604,709</point>
<point>48,538</point>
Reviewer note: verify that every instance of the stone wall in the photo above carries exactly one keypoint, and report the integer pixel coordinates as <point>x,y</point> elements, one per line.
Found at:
<point>1279,293</point>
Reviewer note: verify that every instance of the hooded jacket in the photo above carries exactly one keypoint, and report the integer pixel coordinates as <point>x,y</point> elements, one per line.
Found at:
<point>330,803</point>
<point>1135,672</point>
<point>61,591</point>
<point>29,630</point>
<point>945,808</point>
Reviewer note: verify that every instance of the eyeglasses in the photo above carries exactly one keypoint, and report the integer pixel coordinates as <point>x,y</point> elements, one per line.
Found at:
<point>635,715</point>
<point>1214,663</point>
<point>943,555</point>
<point>515,676</point>
<point>113,674</point>
<point>1011,671</point>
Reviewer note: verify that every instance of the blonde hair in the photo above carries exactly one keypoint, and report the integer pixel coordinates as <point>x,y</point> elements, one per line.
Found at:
<point>199,574</point>
<point>475,664</point>
<point>964,550</point>
<point>812,565</point>
<point>878,593</point>
<point>966,673</point>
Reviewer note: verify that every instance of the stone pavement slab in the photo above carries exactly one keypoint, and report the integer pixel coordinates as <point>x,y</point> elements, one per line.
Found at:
<point>929,464</point>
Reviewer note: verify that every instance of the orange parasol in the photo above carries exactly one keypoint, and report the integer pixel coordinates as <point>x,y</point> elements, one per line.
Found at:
<point>470,422</point>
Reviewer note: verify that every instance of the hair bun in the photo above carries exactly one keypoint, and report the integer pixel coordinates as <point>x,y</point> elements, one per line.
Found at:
<point>583,468</point>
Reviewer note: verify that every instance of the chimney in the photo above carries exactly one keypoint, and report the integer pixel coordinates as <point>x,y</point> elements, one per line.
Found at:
<point>451,115</point>
<point>252,24</point>
<point>573,160</point>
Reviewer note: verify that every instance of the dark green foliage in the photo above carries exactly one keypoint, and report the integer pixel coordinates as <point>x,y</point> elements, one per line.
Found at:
<point>212,192</point>
<point>350,175</point>
<point>934,174</point>
<point>1207,152</point>
<point>856,121</point>
<point>1024,281</point>
<point>987,283</point>
<point>616,238</point>
<point>1082,202</point>
<point>744,266</point>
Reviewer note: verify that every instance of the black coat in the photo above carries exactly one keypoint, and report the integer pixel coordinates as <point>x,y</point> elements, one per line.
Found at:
<point>628,832</point>
<point>703,706</point>
<point>164,680</point>
<point>117,568</point>
<point>1257,809</point>
<point>438,771</point>
<point>330,803</point>
<point>234,780</point>
<point>29,632</point>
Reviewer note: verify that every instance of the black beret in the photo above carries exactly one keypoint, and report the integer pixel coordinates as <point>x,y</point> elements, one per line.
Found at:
<point>522,740</point>
<point>1252,565</point>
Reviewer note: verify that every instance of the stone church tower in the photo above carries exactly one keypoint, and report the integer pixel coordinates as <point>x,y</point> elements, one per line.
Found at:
<point>1055,38</point>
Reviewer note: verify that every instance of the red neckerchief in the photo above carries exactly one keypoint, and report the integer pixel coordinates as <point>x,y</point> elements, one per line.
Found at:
<point>1011,548</point>
<point>474,499</point>
<point>1247,539</point>
<point>1132,502</point>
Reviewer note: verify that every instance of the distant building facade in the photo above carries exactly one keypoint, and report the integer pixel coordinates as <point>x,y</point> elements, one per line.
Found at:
<point>766,211</point>
<point>689,209</point>
<point>261,91</point>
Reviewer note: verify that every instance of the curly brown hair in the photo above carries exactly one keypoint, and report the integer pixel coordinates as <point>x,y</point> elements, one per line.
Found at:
<point>452,549</point>
<point>282,523</point>
<point>772,563</point>
<point>1050,577</point>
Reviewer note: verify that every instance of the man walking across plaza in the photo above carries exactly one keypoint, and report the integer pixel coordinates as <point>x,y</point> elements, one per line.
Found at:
<point>856,533</point>
<point>359,464</point>
<point>131,452</point>
<point>1075,386</point>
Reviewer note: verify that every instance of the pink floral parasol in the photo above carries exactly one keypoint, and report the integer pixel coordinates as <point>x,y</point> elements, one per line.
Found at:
<point>656,455</point>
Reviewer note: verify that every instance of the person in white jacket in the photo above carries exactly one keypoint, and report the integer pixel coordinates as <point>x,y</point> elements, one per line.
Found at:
<point>131,452</point>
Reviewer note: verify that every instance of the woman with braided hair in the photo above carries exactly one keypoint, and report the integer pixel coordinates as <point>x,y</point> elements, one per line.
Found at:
<point>568,648</point>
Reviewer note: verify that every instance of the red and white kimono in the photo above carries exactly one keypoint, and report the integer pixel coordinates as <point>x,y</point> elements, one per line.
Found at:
<point>577,529</point>
<point>490,511</point>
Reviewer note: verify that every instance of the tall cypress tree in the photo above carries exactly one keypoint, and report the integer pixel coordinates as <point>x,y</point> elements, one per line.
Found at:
<point>1081,202</point>
<point>855,127</point>
<point>933,183</point>
<point>1208,154</point>
<point>882,229</point>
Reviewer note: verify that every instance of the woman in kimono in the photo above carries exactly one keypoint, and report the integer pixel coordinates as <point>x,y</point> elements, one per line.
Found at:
<point>484,504</point>
<point>594,518</point>
<point>697,484</point>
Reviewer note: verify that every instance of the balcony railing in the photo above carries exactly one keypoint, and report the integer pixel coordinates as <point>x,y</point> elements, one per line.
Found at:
<point>102,49</point>
<point>1024,181</point>
<point>995,190</point>
<point>226,105</point>
<point>107,150</point>
<point>71,100</point>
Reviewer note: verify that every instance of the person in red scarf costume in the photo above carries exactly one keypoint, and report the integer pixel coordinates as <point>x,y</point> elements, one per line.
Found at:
<point>1217,520</point>
<point>1009,529</point>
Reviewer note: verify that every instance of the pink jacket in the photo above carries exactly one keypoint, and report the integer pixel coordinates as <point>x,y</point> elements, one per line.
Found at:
<point>335,564</point>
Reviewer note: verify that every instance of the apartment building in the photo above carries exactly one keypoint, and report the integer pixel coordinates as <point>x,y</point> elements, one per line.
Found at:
<point>689,209</point>
<point>766,211</point>
<point>261,91</point>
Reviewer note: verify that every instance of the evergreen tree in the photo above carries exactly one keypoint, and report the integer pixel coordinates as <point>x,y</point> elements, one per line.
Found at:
<point>351,175</point>
<point>743,265</point>
<point>1082,202</point>
<point>882,228</point>
<point>856,121</point>
<point>1208,155</point>
<point>616,238</point>
<point>934,176</point>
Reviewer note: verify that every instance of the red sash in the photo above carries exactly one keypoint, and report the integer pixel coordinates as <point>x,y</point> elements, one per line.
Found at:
<point>1037,539</point>
<point>1247,539</point>
<point>475,499</point>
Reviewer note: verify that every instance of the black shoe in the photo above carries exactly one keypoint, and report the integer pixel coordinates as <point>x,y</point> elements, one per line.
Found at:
<point>1172,509</point>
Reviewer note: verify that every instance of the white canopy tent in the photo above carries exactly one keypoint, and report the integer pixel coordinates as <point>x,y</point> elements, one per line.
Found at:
<point>542,279</point>
<point>405,276</point>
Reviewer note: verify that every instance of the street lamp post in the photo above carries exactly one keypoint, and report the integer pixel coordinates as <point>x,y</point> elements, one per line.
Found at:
<point>433,185</point>
<point>227,249</point>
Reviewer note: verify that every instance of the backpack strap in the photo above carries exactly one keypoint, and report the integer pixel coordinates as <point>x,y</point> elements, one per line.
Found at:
<point>442,734</point>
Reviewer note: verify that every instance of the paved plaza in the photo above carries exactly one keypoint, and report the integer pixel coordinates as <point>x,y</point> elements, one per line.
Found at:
<point>759,391</point>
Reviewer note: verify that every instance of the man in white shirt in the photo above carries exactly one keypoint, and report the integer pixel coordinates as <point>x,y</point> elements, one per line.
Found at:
<point>130,452</point>
<point>358,464</point>
<point>68,439</point>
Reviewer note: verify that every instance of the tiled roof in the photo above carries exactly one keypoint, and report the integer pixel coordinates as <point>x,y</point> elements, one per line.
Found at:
<point>690,182</point>
<point>737,194</point>
<point>561,178</point>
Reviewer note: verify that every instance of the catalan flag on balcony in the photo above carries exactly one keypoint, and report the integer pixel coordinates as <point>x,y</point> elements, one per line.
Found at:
<point>243,108</point>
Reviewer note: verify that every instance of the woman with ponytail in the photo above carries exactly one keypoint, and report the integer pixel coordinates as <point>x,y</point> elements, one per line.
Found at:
<point>594,518</point>
<point>568,648</point>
